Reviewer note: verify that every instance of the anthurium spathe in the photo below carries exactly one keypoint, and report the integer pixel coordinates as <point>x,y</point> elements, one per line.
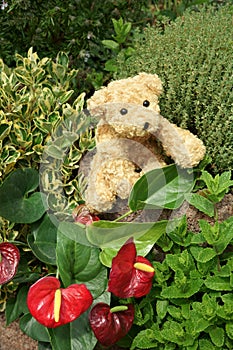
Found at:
<point>130,275</point>
<point>9,260</point>
<point>110,325</point>
<point>53,306</point>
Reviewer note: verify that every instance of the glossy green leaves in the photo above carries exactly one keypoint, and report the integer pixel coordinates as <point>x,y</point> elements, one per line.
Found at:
<point>161,188</point>
<point>19,201</point>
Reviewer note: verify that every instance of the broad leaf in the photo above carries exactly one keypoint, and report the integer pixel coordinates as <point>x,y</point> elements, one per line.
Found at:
<point>174,332</point>
<point>80,264</point>
<point>226,235</point>
<point>15,307</point>
<point>75,232</point>
<point>43,240</point>
<point>17,204</point>
<point>203,254</point>
<point>218,283</point>
<point>161,188</point>
<point>33,328</point>
<point>110,236</point>
<point>217,335</point>
<point>191,288</point>
<point>201,203</point>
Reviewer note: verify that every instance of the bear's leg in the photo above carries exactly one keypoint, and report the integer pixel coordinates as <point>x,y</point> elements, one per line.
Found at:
<point>110,179</point>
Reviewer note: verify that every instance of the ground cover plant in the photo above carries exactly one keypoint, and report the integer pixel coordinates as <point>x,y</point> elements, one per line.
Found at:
<point>64,272</point>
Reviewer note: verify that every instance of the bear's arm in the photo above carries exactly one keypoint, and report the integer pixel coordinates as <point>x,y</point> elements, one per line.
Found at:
<point>181,145</point>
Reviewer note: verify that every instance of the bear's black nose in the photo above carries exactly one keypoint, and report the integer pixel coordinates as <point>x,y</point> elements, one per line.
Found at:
<point>146,126</point>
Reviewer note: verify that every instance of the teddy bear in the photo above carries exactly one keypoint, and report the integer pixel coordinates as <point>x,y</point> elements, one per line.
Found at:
<point>132,138</point>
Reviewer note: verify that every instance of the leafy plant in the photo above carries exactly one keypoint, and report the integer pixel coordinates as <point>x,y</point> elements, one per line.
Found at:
<point>189,56</point>
<point>192,286</point>
<point>119,44</point>
<point>74,27</point>
<point>35,97</point>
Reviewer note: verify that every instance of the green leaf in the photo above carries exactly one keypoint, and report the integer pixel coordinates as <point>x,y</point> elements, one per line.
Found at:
<point>201,203</point>
<point>15,307</point>
<point>226,235</point>
<point>190,288</point>
<point>110,65</point>
<point>17,204</point>
<point>161,188</point>
<point>177,231</point>
<point>75,232</point>
<point>110,236</point>
<point>209,232</point>
<point>196,323</point>
<point>106,256</point>
<point>65,96</point>
<point>63,59</point>
<point>80,264</point>
<point>205,344</point>
<point>44,346</point>
<point>217,335</point>
<point>217,186</point>
<point>43,240</point>
<point>5,129</point>
<point>110,44</point>
<point>183,262</point>
<point>203,254</point>
<point>161,308</point>
<point>33,328</point>
<point>174,332</point>
<point>218,283</point>
<point>144,340</point>
<point>229,330</point>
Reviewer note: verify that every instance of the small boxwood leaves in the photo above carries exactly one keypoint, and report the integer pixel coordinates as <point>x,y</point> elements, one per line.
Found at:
<point>18,203</point>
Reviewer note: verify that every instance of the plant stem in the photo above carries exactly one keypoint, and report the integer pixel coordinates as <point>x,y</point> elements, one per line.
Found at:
<point>124,215</point>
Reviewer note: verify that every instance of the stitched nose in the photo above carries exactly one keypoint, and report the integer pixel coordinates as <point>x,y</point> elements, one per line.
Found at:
<point>146,126</point>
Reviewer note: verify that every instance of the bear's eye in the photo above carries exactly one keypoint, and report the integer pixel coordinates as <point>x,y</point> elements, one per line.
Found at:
<point>123,111</point>
<point>146,103</point>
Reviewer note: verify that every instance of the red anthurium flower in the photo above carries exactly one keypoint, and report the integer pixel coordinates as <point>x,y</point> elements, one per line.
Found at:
<point>82,215</point>
<point>110,325</point>
<point>130,275</point>
<point>9,260</point>
<point>53,306</point>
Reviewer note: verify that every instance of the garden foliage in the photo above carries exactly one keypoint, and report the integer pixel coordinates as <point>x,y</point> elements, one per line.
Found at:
<point>44,134</point>
<point>75,27</point>
<point>193,56</point>
<point>192,286</point>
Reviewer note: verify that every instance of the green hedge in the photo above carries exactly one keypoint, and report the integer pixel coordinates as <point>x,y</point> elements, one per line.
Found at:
<point>194,58</point>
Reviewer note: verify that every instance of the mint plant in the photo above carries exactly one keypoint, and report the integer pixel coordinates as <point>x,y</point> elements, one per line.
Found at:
<point>191,299</point>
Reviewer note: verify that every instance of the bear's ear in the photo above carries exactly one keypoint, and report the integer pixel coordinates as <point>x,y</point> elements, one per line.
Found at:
<point>156,85</point>
<point>152,82</point>
<point>99,97</point>
<point>99,113</point>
